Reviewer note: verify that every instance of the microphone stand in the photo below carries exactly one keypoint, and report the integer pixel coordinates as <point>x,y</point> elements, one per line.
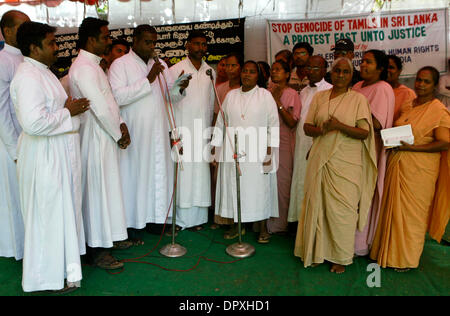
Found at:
<point>239,249</point>
<point>172,250</point>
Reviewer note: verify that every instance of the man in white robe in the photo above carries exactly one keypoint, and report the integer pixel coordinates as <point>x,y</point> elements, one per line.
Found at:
<point>146,167</point>
<point>48,165</point>
<point>193,115</point>
<point>316,70</point>
<point>102,133</point>
<point>11,222</point>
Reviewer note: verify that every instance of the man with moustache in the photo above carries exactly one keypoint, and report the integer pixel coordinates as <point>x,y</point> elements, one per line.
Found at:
<point>316,69</point>
<point>102,135</point>
<point>146,167</point>
<point>300,54</point>
<point>48,165</point>
<point>195,111</point>
<point>11,222</point>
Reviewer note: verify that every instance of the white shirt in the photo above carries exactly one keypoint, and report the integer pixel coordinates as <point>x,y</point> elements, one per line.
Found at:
<point>103,206</point>
<point>194,114</point>
<point>49,175</point>
<point>11,222</point>
<point>146,166</point>
<point>87,80</point>
<point>303,144</point>
<point>10,59</point>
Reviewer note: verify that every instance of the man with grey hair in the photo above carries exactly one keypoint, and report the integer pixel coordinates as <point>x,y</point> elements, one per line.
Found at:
<point>11,223</point>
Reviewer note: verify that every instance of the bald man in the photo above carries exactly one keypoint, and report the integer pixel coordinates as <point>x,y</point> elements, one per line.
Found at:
<point>11,223</point>
<point>316,68</point>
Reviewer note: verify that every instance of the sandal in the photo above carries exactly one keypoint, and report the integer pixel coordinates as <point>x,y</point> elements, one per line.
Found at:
<point>137,241</point>
<point>196,228</point>
<point>264,239</point>
<point>108,262</point>
<point>214,226</point>
<point>66,289</point>
<point>233,233</point>
<point>121,245</point>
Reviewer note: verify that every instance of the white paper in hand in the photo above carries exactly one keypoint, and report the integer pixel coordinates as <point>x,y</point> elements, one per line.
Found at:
<point>392,136</point>
<point>181,78</point>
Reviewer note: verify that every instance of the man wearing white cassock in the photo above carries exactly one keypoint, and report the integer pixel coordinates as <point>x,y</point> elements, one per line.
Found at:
<point>102,133</point>
<point>11,222</point>
<point>48,165</point>
<point>193,115</point>
<point>316,70</point>
<point>146,167</point>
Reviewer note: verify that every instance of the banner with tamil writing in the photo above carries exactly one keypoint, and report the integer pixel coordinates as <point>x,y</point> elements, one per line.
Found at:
<point>224,36</point>
<point>419,38</point>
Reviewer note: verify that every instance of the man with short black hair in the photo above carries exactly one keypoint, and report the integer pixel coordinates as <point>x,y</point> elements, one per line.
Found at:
<point>300,54</point>
<point>11,222</point>
<point>48,166</point>
<point>194,111</point>
<point>146,167</point>
<point>345,48</point>
<point>117,49</point>
<point>102,134</point>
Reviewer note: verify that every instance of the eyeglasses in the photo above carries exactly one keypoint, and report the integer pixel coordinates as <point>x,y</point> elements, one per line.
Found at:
<point>313,68</point>
<point>300,53</point>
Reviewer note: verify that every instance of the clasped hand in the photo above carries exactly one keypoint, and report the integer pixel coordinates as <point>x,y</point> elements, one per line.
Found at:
<point>76,106</point>
<point>333,124</point>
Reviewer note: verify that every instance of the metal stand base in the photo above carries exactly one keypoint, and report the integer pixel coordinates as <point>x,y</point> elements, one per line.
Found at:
<point>173,250</point>
<point>240,250</point>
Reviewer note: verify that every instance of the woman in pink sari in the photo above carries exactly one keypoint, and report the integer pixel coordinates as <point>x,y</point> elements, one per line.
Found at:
<point>289,109</point>
<point>381,99</point>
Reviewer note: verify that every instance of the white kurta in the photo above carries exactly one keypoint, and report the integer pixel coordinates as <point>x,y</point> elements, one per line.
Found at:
<point>48,169</point>
<point>303,144</point>
<point>259,198</point>
<point>146,166</point>
<point>103,208</point>
<point>11,222</point>
<point>193,115</point>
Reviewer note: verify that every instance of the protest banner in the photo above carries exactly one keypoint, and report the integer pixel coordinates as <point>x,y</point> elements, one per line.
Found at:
<point>418,38</point>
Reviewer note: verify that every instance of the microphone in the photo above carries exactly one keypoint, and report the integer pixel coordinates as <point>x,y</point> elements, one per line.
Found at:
<point>209,73</point>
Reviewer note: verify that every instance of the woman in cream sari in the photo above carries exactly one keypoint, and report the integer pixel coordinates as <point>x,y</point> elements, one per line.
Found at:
<point>341,173</point>
<point>417,181</point>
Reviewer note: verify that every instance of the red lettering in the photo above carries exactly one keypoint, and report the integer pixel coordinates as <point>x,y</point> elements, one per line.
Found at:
<point>434,18</point>
<point>274,28</point>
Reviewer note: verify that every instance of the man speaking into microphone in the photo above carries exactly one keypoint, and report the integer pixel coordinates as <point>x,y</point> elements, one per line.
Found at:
<point>146,168</point>
<point>193,115</point>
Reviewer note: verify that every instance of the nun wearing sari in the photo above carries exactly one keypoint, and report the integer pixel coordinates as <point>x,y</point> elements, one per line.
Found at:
<point>341,173</point>
<point>416,198</point>
<point>381,99</point>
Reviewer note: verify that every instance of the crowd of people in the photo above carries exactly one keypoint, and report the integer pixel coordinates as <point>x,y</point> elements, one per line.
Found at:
<point>90,162</point>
